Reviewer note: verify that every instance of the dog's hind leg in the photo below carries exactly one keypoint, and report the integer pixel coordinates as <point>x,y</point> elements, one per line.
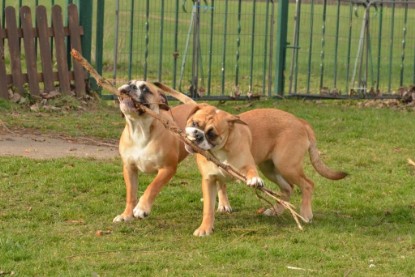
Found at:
<point>223,205</point>
<point>295,175</point>
<point>270,172</point>
<point>130,174</point>
<point>146,201</point>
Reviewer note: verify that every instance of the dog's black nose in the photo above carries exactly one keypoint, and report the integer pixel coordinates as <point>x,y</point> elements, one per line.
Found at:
<point>198,136</point>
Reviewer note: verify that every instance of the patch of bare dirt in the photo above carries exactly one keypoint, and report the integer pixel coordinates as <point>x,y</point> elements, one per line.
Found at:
<point>26,143</point>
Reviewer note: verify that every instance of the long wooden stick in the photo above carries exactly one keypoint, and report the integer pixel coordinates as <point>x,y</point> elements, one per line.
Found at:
<point>173,128</point>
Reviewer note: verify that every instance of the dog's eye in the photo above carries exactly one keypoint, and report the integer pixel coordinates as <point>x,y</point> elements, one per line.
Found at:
<point>211,134</point>
<point>144,88</point>
<point>133,87</point>
<point>194,124</point>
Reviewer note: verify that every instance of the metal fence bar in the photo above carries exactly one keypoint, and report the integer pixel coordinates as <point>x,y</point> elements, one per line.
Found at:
<point>238,45</point>
<point>297,47</point>
<point>349,39</point>
<point>225,31</point>
<point>252,45</point>
<point>391,46</point>
<point>130,55</point>
<point>115,53</point>
<point>212,12</point>
<point>176,43</point>
<point>264,63</point>
<point>311,45</point>
<point>161,41</point>
<point>99,40</point>
<point>323,43</point>
<point>196,50</point>
<point>379,46</point>
<point>403,43</point>
<point>146,38</point>
<point>271,49</point>
<point>336,44</point>
<point>282,16</point>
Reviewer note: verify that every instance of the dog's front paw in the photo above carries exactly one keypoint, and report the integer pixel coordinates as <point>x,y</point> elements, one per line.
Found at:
<point>255,182</point>
<point>203,231</point>
<point>140,213</point>
<point>122,218</point>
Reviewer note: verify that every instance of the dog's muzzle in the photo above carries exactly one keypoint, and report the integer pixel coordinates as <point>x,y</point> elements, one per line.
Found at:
<point>130,93</point>
<point>198,137</point>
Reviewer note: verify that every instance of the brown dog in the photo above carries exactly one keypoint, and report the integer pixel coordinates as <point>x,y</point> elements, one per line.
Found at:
<point>146,145</point>
<point>274,140</point>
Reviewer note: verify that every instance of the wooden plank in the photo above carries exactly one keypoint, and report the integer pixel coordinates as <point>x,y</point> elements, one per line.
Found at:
<point>74,31</point>
<point>44,47</point>
<point>58,32</point>
<point>29,48</point>
<point>14,48</point>
<point>3,76</point>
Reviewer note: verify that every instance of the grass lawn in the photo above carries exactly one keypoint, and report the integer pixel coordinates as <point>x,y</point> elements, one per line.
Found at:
<point>51,210</point>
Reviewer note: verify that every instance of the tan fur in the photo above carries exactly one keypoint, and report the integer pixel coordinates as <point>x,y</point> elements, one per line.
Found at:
<point>146,146</point>
<point>276,142</point>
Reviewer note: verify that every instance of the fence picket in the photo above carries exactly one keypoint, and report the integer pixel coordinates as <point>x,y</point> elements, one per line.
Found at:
<point>59,32</point>
<point>30,50</point>
<point>75,33</point>
<point>44,46</point>
<point>14,48</point>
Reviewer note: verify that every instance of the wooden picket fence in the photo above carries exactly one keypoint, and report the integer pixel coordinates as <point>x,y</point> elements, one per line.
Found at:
<point>44,47</point>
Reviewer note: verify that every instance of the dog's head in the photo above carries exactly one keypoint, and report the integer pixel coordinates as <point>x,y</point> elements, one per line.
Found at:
<point>209,127</point>
<point>141,92</point>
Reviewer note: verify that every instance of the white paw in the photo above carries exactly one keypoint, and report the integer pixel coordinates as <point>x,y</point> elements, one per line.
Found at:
<point>140,213</point>
<point>255,182</point>
<point>202,232</point>
<point>122,218</point>
<point>224,209</point>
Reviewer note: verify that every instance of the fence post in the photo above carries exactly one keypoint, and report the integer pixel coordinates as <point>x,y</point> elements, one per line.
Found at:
<point>282,20</point>
<point>99,42</point>
<point>85,20</point>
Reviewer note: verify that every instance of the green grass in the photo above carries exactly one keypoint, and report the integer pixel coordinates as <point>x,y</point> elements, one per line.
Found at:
<point>50,210</point>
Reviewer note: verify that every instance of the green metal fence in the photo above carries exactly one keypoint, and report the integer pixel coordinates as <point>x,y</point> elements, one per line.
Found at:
<point>222,48</point>
<point>207,48</point>
<point>351,48</point>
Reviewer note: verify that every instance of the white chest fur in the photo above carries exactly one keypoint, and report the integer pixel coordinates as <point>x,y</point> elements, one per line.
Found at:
<point>137,147</point>
<point>213,169</point>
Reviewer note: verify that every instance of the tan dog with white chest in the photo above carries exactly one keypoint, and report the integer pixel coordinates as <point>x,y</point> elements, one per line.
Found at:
<point>146,145</point>
<point>273,140</point>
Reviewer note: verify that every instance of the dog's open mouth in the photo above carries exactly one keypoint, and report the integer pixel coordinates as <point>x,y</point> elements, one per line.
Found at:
<point>130,102</point>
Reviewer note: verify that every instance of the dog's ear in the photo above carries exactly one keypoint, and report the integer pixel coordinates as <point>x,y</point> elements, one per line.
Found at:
<point>234,119</point>
<point>164,104</point>
<point>193,110</point>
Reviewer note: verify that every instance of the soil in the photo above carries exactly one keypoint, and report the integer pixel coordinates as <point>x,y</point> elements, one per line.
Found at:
<point>27,143</point>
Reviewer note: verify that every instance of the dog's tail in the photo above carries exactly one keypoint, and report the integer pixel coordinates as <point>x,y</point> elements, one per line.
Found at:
<point>316,160</point>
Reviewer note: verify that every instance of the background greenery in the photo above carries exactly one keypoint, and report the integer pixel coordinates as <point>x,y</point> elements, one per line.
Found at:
<point>50,210</point>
